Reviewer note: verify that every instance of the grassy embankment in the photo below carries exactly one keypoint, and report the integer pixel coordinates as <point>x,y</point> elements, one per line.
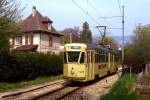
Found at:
<point>123,90</point>
<point>13,86</point>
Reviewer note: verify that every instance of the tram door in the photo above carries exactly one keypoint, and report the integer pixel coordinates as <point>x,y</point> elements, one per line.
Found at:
<point>90,65</point>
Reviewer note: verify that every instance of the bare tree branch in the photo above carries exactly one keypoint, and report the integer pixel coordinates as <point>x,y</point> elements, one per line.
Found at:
<point>10,9</point>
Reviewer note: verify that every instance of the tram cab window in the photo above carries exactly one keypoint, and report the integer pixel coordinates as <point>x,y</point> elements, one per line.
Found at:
<point>73,56</point>
<point>82,57</point>
<point>65,58</point>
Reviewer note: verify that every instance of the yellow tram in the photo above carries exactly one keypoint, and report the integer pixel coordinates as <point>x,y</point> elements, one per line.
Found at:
<point>85,62</point>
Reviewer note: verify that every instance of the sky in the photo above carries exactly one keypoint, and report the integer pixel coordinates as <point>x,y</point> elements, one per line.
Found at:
<point>66,14</point>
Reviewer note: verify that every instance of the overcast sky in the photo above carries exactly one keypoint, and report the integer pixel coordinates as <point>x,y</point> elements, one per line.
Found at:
<point>66,14</point>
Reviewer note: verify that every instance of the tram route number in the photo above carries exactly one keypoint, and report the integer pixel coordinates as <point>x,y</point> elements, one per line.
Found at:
<point>75,47</point>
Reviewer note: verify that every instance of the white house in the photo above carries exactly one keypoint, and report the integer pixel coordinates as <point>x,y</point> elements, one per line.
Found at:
<point>38,35</point>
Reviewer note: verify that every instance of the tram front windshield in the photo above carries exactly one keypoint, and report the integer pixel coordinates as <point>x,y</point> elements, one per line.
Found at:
<point>73,56</point>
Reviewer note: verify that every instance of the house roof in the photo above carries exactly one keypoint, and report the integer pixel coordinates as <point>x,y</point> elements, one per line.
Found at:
<point>36,23</point>
<point>27,48</point>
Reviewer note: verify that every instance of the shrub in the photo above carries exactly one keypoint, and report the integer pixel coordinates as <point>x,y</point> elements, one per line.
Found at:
<point>26,66</point>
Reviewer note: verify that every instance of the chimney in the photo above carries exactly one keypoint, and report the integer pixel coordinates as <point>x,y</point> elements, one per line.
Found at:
<point>33,11</point>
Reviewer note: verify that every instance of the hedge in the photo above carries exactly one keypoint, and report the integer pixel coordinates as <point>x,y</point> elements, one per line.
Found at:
<point>20,66</point>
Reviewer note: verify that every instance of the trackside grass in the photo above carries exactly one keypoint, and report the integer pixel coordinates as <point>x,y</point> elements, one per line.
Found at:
<point>40,80</point>
<point>123,89</point>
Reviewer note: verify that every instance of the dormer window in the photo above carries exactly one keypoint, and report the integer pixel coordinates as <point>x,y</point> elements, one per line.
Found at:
<point>49,26</point>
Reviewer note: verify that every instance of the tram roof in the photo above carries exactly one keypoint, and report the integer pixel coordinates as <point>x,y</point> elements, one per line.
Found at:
<point>93,46</point>
<point>98,47</point>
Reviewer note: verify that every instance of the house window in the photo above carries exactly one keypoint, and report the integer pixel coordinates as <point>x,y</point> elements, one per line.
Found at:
<point>18,40</point>
<point>31,39</point>
<point>26,40</point>
<point>50,41</point>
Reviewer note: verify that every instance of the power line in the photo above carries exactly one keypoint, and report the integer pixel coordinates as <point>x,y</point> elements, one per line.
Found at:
<point>111,17</point>
<point>119,7</point>
<point>96,10</point>
<point>114,28</point>
<point>87,9</point>
<point>85,12</point>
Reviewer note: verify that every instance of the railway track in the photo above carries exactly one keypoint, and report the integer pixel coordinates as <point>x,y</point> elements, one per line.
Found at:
<point>56,91</point>
<point>59,94</point>
<point>35,92</point>
<point>74,91</point>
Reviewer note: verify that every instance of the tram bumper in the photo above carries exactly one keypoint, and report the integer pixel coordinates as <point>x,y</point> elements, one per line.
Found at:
<point>74,78</point>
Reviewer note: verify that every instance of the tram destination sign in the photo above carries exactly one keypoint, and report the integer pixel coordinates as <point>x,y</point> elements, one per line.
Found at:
<point>75,47</point>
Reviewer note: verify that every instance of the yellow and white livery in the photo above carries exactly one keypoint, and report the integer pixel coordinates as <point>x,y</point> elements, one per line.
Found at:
<point>85,62</point>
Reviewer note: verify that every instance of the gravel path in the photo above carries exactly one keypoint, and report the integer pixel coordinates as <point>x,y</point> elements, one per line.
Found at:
<point>101,87</point>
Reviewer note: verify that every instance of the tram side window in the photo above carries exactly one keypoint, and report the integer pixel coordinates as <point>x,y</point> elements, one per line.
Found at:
<point>82,57</point>
<point>92,57</point>
<point>102,56</point>
<point>96,58</point>
<point>99,58</point>
<point>106,57</point>
<point>115,58</point>
<point>111,57</point>
<point>88,57</point>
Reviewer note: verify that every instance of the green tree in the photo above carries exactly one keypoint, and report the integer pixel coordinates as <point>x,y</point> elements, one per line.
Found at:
<point>130,56</point>
<point>9,13</point>
<point>138,52</point>
<point>141,42</point>
<point>86,34</point>
<point>108,41</point>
